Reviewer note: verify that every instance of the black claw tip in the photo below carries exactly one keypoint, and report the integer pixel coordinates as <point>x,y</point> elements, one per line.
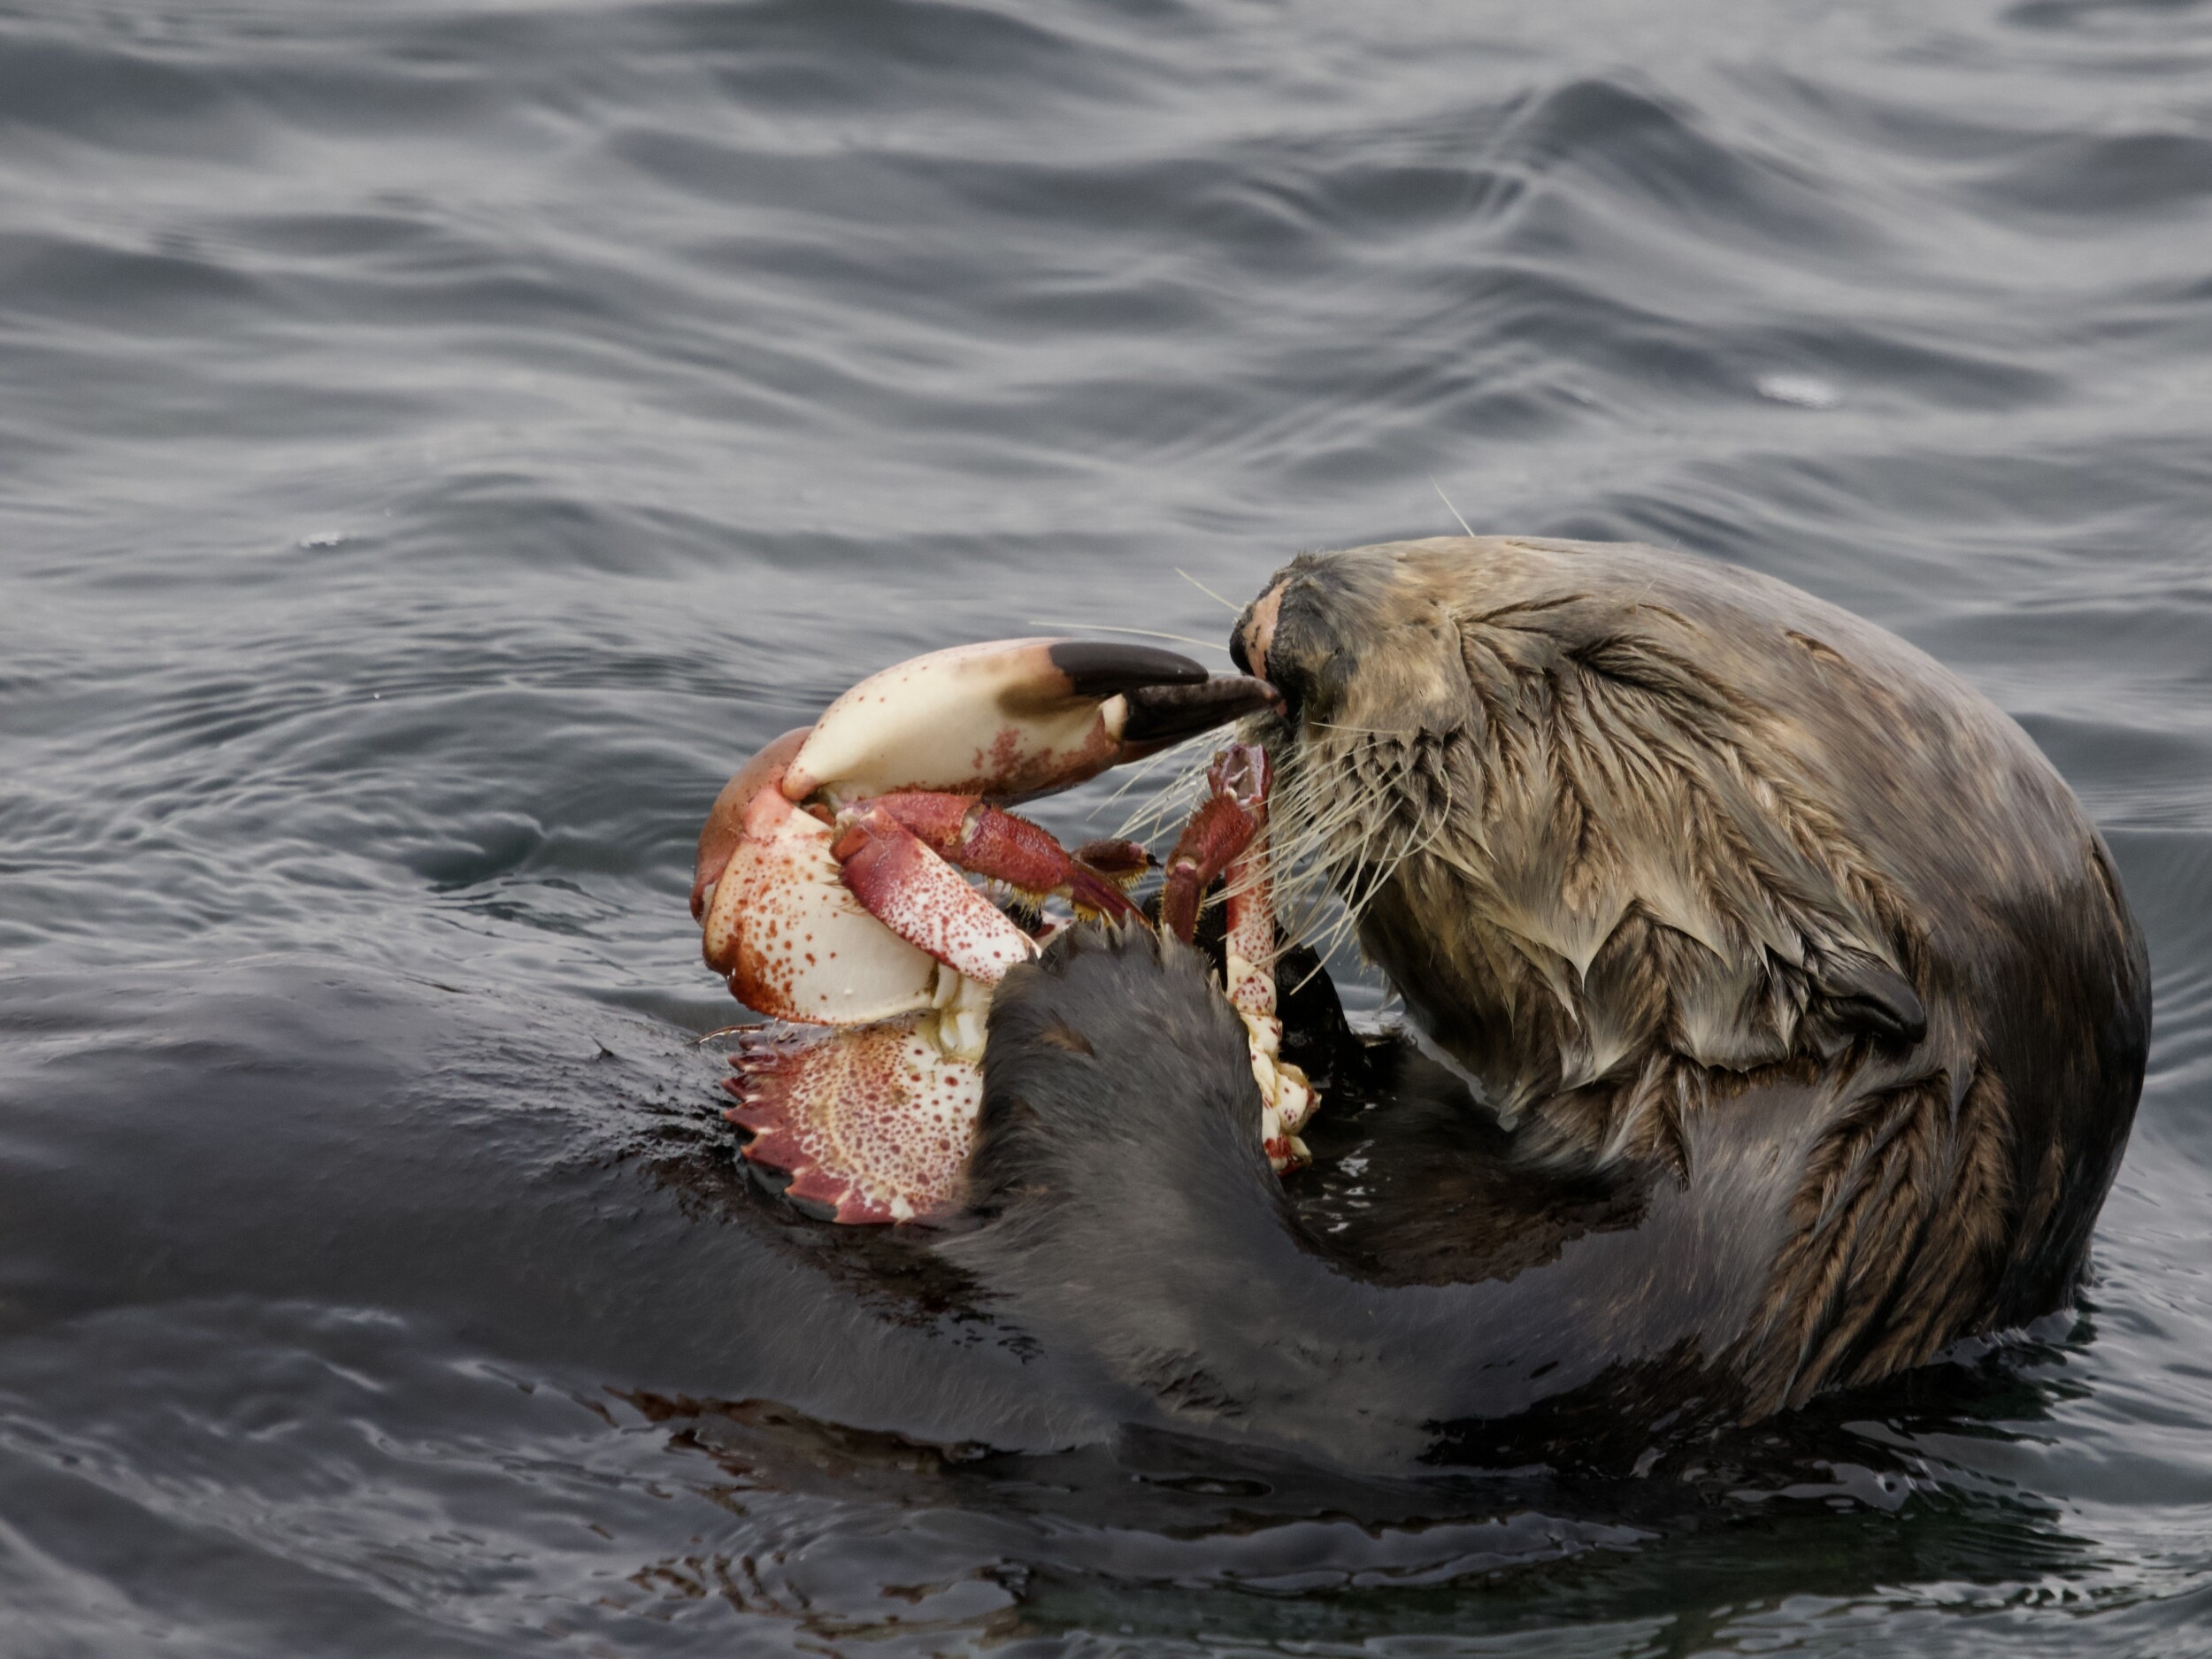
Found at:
<point>1167,714</point>
<point>1095,668</point>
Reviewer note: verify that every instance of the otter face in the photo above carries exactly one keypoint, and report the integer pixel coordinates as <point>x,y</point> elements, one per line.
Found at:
<point>1375,746</point>
<point>1355,639</point>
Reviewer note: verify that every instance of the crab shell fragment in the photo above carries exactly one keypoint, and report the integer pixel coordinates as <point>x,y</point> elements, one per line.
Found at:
<point>873,1125</point>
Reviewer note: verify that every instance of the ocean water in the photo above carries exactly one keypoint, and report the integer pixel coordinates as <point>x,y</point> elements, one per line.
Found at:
<point>439,441</point>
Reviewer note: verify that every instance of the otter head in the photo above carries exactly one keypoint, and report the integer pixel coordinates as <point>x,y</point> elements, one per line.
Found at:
<point>1317,628</point>
<point>1591,865</point>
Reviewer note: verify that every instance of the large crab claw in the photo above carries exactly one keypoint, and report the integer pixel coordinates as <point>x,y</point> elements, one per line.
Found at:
<point>842,925</point>
<point>1011,718</point>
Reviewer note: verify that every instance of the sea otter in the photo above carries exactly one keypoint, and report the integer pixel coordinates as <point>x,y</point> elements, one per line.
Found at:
<point>1772,955</point>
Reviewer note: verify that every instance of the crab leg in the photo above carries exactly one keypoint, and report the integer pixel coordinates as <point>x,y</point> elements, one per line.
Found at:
<point>976,835</point>
<point>923,899</point>
<point>1247,887</point>
<point>1231,819</point>
<point>1228,837</point>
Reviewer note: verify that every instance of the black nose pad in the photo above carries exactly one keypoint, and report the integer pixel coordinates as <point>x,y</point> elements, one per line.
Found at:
<point>1288,698</point>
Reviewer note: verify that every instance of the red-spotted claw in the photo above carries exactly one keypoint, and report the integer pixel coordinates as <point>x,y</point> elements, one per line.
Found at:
<point>1012,719</point>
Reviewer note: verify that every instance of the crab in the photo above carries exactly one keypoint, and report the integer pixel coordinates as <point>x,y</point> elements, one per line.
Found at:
<point>833,896</point>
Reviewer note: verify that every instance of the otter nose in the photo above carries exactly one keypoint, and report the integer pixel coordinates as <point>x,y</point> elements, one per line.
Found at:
<point>1255,632</point>
<point>1256,640</point>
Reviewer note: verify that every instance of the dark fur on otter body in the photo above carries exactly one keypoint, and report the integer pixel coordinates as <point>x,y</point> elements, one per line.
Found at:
<point>1717,894</point>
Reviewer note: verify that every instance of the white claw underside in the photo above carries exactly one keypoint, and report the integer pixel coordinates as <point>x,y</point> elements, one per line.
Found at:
<point>799,944</point>
<point>965,721</point>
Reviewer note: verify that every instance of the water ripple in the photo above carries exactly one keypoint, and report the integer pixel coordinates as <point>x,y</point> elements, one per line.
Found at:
<point>444,439</point>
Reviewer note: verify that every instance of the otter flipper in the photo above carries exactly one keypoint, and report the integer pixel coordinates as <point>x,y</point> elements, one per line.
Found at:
<point>1868,995</point>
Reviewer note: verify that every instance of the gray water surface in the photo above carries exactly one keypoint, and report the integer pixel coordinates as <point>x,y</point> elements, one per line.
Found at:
<point>438,442</point>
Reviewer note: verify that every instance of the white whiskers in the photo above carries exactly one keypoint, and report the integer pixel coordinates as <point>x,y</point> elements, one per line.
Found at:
<point>1447,499</point>
<point>1231,606</point>
<point>1100,627</point>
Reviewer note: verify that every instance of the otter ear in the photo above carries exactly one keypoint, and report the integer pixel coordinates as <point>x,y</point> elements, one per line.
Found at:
<point>1868,995</point>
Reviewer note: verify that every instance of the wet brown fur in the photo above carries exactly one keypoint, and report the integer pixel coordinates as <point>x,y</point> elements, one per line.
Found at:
<point>1633,833</point>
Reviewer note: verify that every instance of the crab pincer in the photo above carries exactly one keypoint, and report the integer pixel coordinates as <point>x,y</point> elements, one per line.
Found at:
<point>1013,719</point>
<point>830,892</point>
